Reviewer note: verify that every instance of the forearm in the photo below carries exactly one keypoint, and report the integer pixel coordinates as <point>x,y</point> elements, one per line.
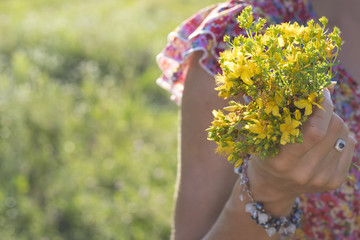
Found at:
<point>235,223</point>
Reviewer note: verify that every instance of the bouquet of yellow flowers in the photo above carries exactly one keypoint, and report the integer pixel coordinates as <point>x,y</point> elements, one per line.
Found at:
<point>282,71</point>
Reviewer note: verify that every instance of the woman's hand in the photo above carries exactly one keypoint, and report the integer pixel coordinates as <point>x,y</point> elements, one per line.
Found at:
<point>312,166</point>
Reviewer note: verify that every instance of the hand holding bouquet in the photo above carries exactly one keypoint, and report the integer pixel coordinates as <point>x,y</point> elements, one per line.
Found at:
<point>282,70</point>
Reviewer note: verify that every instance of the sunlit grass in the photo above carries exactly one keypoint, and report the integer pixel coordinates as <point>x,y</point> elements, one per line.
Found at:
<point>87,139</point>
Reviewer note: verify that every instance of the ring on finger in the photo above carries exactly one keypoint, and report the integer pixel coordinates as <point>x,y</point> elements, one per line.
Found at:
<point>340,145</point>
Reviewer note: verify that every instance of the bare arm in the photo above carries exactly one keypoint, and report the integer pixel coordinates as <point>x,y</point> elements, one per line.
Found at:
<point>205,180</point>
<point>207,204</point>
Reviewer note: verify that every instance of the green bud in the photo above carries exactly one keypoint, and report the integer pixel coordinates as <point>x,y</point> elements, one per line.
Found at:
<point>323,21</point>
<point>227,39</point>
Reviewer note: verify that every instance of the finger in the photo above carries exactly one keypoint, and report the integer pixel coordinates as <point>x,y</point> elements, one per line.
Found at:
<point>337,129</point>
<point>326,172</point>
<point>315,128</point>
<point>315,158</point>
<point>341,171</point>
<point>331,87</point>
<point>330,172</point>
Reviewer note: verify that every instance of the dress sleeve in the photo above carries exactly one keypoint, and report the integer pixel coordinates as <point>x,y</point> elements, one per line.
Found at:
<point>204,31</point>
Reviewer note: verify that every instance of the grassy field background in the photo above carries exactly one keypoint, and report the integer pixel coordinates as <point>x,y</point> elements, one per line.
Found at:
<point>87,139</point>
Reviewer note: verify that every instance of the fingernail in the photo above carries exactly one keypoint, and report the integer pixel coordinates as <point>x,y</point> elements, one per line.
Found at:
<point>332,86</point>
<point>327,92</point>
<point>352,135</point>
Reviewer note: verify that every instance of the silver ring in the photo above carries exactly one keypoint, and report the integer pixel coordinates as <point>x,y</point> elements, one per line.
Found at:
<point>340,145</point>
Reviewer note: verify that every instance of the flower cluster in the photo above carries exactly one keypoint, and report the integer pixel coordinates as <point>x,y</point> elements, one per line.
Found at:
<point>281,70</point>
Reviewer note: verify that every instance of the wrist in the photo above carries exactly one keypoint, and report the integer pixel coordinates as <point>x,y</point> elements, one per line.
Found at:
<point>269,191</point>
<point>278,216</point>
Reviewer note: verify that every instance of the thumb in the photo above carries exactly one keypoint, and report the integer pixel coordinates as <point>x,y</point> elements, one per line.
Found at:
<point>332,86</point>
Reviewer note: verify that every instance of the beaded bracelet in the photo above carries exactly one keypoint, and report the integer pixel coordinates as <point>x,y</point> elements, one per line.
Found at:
<point>283,225</point>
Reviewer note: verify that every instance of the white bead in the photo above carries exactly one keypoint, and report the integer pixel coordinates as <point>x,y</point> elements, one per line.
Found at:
<point>249,207</point>
<point>263,218</point>
<point>270,231</point>
<point>254,213</point>
<point>291,228</point>
<point>241,197</point>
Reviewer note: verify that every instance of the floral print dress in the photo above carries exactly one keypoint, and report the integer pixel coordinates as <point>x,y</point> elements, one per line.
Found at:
<point>329,215</point>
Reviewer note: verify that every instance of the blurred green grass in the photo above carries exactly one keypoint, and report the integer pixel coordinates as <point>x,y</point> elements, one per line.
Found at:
<point>87,139</point>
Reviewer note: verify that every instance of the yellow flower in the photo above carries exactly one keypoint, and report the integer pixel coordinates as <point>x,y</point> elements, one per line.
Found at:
<point>271,107</point>
<point>218,119</point>
<point>291,58</point>
<point>240,70</point>
<point>245,76</point>
<point>250,117</point>
<point>231,108</point>
<point>271,71</point>
<point>230,54</point>
<point>297,114</point>
<point>234,68</point>
<point>257,128</point>
<point>221,79</point>
<point>281,41</point>
<point>329,49</point>
<point>226,147</point>
<point>258,51</point>
<point>232,117</point>
<point>238,163</point>
<point>224,83</point>
<point>307,104</point>
<point>306,36</point>
<point>223,94</point>
<point>253,68</point>
<point>265,38</point>
<point>260,102</point>
<point>290,30</point>
<point>217,114</point>
<point>289,128</point>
